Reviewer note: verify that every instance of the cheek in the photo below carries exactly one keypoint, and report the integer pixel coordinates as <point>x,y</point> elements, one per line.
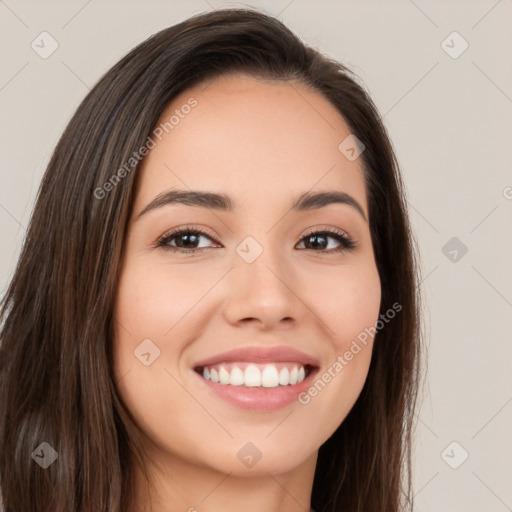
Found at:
<point>150,312</point>
<point>143,314</point>
<point>350,309</point>
<point>350,303</point>
<point>153,301</point>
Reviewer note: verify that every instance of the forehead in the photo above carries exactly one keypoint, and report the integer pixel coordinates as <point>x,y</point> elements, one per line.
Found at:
<point>253,139</point>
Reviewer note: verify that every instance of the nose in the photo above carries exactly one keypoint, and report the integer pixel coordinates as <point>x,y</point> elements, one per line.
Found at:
<point>262,292</point>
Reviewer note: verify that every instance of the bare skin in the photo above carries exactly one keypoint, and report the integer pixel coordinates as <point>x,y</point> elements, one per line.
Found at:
<point>264,144</point>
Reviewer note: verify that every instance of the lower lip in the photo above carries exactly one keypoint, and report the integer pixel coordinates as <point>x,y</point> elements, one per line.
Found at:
<point>259,398</point>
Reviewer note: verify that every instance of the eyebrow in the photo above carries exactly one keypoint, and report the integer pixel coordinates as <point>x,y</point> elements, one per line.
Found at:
<point>222,202</point>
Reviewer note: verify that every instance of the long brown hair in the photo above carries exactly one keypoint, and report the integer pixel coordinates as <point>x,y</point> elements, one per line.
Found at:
<point>56,379</point>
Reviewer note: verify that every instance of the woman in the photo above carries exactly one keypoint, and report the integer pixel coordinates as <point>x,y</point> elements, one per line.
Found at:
<point>216,303</point>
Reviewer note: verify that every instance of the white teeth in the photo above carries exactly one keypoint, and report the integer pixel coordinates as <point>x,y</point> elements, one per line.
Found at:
<point>284,376</point>
<point>237,377</point>
<point>267,376</point>
<point>252,376</point>
<point>223,375</point>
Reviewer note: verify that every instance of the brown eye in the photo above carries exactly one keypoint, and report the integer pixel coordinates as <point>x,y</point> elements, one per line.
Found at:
<point>318,241</point>
<point>186,240</point>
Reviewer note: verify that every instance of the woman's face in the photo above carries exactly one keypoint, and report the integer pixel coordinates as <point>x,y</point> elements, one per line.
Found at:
<point>260,281</point>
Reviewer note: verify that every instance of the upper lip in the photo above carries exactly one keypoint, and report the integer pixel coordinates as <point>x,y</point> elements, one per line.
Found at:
<point>261,355</point>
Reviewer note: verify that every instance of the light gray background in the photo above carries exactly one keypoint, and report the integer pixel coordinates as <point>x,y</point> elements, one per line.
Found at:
<point>450,120</point>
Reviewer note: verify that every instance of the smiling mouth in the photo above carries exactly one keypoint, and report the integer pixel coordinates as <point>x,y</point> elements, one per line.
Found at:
<point>255,375</point>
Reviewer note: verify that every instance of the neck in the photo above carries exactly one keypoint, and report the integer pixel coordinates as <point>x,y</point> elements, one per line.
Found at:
<point>178,485</point>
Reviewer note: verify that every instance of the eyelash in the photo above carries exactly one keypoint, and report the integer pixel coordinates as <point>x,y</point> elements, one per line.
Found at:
<point>346,243</point>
